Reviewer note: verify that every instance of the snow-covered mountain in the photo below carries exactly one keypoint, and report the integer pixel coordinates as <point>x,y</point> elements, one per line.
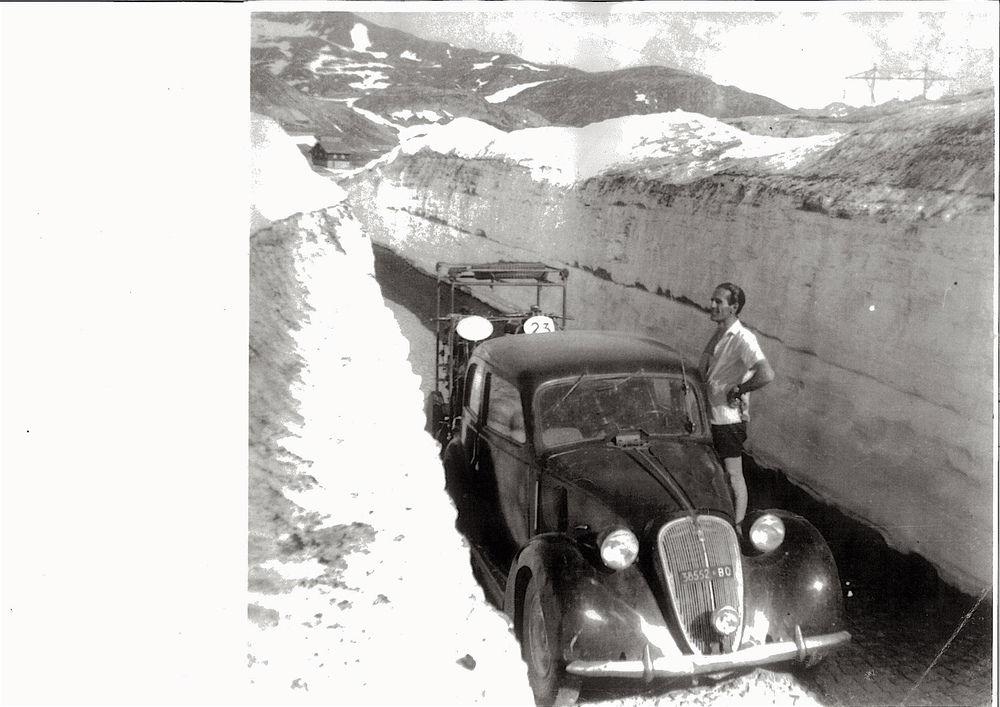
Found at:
<point>319,72</point>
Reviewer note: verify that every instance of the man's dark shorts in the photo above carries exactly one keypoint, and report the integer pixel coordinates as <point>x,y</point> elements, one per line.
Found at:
<point>729,439</point>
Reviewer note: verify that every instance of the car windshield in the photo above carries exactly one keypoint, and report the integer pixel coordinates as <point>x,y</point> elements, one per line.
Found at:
<point>596,407</point>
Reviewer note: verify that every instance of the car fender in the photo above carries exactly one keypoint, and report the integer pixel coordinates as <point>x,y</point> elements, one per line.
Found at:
<point>456,467</point>
<point>797,584</point>
<point>599,613</point>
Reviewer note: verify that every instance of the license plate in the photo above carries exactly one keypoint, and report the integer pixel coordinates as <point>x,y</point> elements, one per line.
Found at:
<point>705,574</point>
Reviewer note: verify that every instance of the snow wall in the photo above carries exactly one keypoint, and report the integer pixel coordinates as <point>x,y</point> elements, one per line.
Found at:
<point>360,588</point>
<point>867,258</point>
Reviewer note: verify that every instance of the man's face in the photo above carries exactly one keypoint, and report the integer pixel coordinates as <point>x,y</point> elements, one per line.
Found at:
<point>719,308</point>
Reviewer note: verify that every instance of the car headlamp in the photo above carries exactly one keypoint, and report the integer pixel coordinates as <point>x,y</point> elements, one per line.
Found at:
<point>619,548</point>
<point>767,532</point>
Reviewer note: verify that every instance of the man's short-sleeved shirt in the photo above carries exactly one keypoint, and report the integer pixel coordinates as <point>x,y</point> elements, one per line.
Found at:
<point>729,365</point>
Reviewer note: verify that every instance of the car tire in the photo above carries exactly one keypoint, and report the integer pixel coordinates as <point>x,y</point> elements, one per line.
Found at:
<point>549,682</point>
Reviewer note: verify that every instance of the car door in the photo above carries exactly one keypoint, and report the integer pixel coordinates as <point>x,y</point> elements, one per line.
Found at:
<point>504,453</point>
<point>474,395</point>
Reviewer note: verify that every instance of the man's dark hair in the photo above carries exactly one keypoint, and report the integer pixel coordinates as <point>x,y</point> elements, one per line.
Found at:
<point>736,295</point>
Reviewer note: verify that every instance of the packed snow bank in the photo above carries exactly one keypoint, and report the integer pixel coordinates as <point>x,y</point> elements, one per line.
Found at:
<point>693,145</point>
<point>868,266</point>
<point>280,182</point>
<point>360,588</point>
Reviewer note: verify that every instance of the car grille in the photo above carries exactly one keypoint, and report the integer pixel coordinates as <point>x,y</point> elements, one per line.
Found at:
<point>691,548</point>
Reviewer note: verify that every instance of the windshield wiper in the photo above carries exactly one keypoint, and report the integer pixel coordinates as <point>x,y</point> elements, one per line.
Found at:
<point>619,383</point>
<point>568,393</point>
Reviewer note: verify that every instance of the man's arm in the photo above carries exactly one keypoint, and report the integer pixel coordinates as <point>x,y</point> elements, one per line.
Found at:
<point>762,374</point>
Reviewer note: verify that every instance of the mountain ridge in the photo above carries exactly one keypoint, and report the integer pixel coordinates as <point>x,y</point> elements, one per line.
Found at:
<point>337,63</point>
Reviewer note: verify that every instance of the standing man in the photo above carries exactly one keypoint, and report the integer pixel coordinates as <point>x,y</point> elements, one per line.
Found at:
<point>733,365</point>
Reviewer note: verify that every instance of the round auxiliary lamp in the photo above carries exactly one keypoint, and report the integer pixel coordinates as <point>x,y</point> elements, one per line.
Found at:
<point>474,328</point>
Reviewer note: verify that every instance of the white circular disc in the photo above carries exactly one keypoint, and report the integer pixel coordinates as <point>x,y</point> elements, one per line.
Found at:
<point>538,324</point>
<point>474,328</point>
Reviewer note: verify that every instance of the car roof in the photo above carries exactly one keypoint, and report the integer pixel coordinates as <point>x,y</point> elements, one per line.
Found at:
<point>533,358</point>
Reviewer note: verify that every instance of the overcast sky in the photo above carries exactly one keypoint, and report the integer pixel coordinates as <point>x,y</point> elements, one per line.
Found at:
<point>796,53</point>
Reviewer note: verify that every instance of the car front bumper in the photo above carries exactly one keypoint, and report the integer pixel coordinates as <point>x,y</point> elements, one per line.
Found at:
<point>683,665</point>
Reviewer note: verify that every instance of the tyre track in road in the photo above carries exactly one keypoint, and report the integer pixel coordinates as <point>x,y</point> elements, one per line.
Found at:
<point>906,647</point>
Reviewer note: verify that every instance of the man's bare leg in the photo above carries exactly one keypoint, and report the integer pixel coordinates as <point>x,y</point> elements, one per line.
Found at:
<point>734,467</point>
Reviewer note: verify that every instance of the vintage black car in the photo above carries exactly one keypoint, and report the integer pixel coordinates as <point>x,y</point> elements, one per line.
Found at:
<point>601,521</point>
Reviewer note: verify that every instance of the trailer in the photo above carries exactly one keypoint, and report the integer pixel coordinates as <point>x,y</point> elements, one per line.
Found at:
<point>458,330</point>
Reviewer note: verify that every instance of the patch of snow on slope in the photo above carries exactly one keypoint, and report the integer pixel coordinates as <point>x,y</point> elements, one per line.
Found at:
<point>359,36</point>
<point>374,117</point>
<point>481,65</point>
<point>503,95</point>
<point>409,55</point>
<point>641,98</point>
<point>320,63</point>
<point>681,146</point>
<point>522,67</point>
<point>406,114</point>
<point>279,186</point>
<point>371,80</point>
<point>326,64</point>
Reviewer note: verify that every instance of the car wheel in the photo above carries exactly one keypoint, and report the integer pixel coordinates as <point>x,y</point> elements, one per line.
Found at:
<point>549,682</point>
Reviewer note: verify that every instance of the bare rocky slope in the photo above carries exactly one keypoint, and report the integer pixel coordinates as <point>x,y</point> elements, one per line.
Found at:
<point>869,271</point>
<point>586,98</point>
<point>300,111</point>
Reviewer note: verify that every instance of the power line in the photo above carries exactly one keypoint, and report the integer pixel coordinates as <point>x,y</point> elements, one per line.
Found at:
<point>924,74</point>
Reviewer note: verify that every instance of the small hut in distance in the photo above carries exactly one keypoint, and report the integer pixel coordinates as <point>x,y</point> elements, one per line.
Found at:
<point>332,152</point>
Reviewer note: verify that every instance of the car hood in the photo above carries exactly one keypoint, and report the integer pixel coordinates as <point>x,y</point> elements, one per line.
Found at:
<point>640,484</point>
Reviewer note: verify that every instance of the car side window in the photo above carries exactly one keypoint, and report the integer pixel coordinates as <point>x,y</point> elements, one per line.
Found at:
<point>504,413</point>
<point>474,388</point>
